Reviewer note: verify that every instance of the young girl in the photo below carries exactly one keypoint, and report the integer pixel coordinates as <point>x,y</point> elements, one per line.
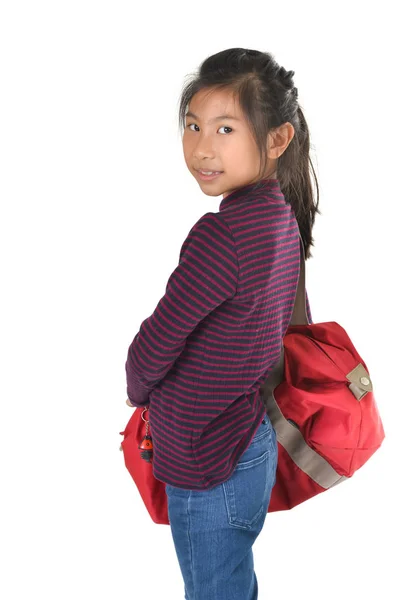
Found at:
<point>199,360</point>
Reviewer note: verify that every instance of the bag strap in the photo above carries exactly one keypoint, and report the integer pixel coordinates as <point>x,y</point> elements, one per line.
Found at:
<point>299,314</point>
<point>299,317</point>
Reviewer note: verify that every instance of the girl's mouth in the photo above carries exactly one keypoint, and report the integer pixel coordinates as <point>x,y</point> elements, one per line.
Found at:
<point>205,177</point>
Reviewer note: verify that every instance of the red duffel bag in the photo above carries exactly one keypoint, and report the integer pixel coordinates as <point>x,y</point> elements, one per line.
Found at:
<point>320,400</point>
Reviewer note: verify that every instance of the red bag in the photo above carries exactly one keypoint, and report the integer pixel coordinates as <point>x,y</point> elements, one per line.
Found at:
<point>137,440</point>
<point>320,400</point>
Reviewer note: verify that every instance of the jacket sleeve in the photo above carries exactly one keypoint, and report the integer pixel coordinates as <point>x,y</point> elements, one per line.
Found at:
<point>205,277</point>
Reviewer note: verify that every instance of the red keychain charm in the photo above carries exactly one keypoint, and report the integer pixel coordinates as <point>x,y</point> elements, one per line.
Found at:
<point>146,445</point>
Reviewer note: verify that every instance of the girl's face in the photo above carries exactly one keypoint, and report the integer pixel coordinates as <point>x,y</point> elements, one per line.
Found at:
<point>212,143</point>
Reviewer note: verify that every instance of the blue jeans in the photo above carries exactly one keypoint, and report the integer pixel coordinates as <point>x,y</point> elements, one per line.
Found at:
<point>214,530</point>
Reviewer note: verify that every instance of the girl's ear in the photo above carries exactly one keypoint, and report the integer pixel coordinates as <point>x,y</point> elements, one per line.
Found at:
<point>279,139</point>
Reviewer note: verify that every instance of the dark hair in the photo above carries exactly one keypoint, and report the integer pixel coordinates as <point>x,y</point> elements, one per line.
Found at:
<point>268,99</point>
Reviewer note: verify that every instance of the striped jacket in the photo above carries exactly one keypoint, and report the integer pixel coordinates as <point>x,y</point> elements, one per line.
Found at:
<point>199,359</point>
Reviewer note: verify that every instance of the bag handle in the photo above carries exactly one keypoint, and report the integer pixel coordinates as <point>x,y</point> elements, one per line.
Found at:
<point>299,314</point>
<point>299,317</point>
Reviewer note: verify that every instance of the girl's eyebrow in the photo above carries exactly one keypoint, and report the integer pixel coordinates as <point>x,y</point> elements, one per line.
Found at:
<point>190,114</point>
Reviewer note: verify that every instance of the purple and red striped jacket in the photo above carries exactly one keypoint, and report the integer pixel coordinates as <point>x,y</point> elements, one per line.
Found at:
<point>199,359</point>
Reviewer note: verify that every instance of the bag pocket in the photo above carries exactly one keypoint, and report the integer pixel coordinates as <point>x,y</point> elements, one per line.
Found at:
<point>247,492</point>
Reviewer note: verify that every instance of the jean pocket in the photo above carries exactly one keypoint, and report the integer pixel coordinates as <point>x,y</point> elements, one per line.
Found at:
<point>264,430</point>
<point>247,492</point>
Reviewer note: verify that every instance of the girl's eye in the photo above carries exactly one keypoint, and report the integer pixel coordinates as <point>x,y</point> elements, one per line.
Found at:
<point>223,126</point>
<point>226,127</point>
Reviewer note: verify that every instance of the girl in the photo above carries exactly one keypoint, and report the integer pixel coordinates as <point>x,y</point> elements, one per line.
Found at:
<point>199,360</point>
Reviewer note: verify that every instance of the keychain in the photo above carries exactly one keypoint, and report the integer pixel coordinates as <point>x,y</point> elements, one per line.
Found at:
<point>146,444</point>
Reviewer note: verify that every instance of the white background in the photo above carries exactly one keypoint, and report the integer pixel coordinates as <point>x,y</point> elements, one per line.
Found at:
<point>96,201</point>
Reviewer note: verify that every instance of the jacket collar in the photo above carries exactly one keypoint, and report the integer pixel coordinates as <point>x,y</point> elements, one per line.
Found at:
<point>267,187</point>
